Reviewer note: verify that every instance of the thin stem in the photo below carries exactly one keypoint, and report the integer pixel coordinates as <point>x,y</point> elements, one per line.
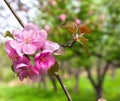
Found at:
<point>70,44</point>
<point>14,13</point>
<point>63,87</point>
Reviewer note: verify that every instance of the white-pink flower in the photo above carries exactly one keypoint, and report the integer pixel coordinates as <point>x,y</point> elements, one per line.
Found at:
<point>29,40</point>
<point>31,52</point>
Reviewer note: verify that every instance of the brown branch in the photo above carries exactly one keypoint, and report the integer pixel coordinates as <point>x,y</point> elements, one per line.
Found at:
<point>14,13</point>
<point>70,44</point>
<point>104,73</point>
<point>98,69</point>
<point>90,77</point>
<point>63,87</point>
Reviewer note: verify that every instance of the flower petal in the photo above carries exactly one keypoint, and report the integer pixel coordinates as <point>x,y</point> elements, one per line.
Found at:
<point>22,75</point>
<point>43,34</point>
<point>21,65</point>
<point>31,26</point>
<point>29,49</point>
<point>49,45</point>
<point>17,34</point>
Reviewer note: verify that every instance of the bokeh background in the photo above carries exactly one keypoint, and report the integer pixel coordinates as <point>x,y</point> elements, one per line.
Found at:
<point>86,78</point>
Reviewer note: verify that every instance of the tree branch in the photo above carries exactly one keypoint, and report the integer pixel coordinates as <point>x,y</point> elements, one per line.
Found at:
<point>14,13</point>
<point>90,77</point>
<point>70,44</point>
<point>104,73</point>
<point>63,87</point>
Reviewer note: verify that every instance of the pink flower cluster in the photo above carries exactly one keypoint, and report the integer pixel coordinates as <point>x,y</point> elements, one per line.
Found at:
<point>31,52</point>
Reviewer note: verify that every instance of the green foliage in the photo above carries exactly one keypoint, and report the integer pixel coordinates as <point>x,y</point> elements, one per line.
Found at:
<point>98,15</point>
<point>23,93</point>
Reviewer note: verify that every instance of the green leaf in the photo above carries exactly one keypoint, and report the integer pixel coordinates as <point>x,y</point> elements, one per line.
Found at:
<point>7,33</point>
<point>54,69</point>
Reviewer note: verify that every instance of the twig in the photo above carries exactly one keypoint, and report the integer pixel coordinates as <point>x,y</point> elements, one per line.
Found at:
<point>70,44</point>
<point>14,13</point>
<point>63,87</point>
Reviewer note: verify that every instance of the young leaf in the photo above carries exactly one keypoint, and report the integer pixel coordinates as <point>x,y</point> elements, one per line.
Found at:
<point>54,69</point>
<point>7,33</point>
<point>84,29</point>
<point>71,27</point>
<point>83,39</point>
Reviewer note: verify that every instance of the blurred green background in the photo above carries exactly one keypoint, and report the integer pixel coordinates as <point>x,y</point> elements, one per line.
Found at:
<point>86,78</point>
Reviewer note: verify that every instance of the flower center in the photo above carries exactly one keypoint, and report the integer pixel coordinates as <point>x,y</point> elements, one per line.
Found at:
<point>27,40</point>
<point>43,59</point>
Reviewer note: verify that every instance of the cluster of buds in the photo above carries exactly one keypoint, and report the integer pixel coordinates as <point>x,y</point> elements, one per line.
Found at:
<point>30,52</point>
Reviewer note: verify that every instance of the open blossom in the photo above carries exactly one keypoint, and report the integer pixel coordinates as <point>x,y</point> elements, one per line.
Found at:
<point>29,40</point>
<point>24,69</point>
<point>44,60</point>
<point>31,52</point>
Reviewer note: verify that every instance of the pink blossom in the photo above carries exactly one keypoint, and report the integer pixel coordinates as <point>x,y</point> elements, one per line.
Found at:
<point>11,52</point>
<point>29,40</point>
<point>78,21</point>
<point>62,17</point>
<point>47,27</point>
<point>44,60</point>
<point>24,69</point>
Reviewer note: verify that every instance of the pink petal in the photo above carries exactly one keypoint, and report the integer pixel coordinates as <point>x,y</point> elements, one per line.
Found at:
<point>8,47</point>
<point>22,75</point>
<point>35,70</point>
<point>39,44</point>
<point>31,26</point>
<point>29,49</point>
<point>17,46</point>
<point>27,34</point>
<point>49,45</point>
<point>43,34</point>
<point>50,60</point>
<point>17,35</point>
<point>21,65</point>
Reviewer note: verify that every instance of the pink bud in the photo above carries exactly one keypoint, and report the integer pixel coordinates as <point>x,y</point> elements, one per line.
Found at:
<point>62,17</point>
<point>47,27</point>
<point>53,2</point>
<point>78,21</point>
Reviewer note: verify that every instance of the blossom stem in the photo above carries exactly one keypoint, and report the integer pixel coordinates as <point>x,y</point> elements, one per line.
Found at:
<point>14,13</point>
<point>63,87</point>
<point>70,44</point>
